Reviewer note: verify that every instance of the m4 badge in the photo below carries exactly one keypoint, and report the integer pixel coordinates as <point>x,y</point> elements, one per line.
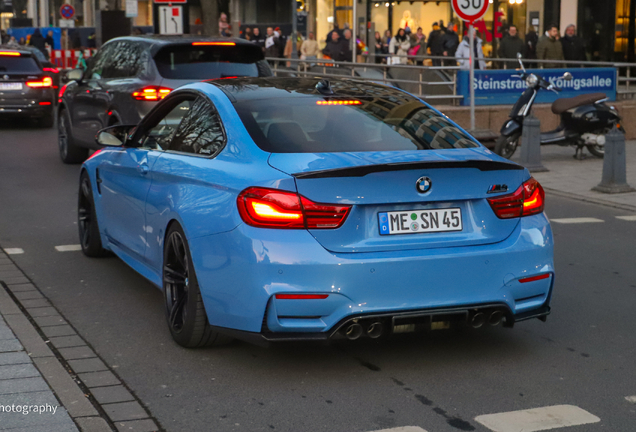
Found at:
<point>498,189</point>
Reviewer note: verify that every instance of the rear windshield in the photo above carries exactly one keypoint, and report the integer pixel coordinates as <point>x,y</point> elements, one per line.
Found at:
<point>22,64</point>
<point>316,125</point>
<point>208,62</point>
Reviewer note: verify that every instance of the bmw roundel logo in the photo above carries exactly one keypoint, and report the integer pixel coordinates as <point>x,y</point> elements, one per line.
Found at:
<point>424,184</point>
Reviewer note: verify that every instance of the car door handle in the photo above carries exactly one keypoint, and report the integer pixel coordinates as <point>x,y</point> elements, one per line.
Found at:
<point>143,169</point>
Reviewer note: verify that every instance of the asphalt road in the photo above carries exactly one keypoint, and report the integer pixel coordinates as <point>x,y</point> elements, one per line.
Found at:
<point>585,355</point>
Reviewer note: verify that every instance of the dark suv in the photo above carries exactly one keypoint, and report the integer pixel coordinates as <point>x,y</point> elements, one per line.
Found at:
<point>26,90</point>
<point>128,75</point>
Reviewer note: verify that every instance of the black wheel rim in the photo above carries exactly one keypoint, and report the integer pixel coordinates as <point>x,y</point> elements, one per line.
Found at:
<point>85,213</point>
<point>176,281</point>
<point>62,136</point>
<point>510,147</point>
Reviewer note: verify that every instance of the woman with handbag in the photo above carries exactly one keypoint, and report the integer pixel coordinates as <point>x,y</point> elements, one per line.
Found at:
<point>399,47</point>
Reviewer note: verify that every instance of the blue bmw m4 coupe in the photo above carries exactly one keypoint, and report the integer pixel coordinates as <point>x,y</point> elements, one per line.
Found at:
<point>286,209</point>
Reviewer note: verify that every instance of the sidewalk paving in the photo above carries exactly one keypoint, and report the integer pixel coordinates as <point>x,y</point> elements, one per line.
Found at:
<point>44,362</point>
<point>576,178</point>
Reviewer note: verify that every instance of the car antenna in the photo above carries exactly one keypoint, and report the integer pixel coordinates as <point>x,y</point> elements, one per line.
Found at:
<point>324,87</point>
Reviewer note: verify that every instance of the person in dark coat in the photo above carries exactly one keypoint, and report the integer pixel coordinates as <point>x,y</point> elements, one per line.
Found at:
<point>38,41</point>
<point>573,46</point>
<point>337,49</point>
<point>272,44</point>
<point>450,43</point>
<point>258,38</point>
<point>510,46</point>
<point>48,40</point>
<point>436,43</point>
<point>532,40</point>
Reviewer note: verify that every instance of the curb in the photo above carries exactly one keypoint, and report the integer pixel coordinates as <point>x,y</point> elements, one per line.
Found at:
<point>94,396</point>
<point>590,200</point>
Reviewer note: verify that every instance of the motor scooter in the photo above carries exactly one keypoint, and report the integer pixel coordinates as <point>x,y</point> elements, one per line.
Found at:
<point>585,119</point>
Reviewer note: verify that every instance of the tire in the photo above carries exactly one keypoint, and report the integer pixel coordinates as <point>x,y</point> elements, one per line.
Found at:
<point>596,150</point>
<point>47,121</point>
<point>185,312</point>
<point>90,239</point>
<point>507,146</point>
<point>69,152</point>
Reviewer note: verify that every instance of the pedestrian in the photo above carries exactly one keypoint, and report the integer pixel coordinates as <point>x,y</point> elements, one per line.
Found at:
<point>551,48</point>
<point>348,45</point>
<point>450,43</point>
<point>378,47</point>
<point>64,40</point>
<point>92,41</point>
<point>22,41</point>
<point>272,44</point>
<point>436,43</point>
<point>386,41</point>
<point>4,37</point>
<point>573,46</point>
<point>48,40</point>
<point>510,46</point>
<point>309,49</point>
<point>532,39</point>
<point>336,29</point>
<point>333,50</point>
<point>247,34</point>
<point>418,46</point>
<point>38,41</point>
<point>463,53</point>
<point>224,26</point>
<point>257,38</point>
<point>399,47</point>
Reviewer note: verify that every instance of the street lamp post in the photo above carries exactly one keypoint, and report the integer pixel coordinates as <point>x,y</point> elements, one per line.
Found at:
<point>294,36</point>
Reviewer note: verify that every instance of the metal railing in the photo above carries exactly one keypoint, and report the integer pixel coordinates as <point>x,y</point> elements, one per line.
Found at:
<point>447,74</point>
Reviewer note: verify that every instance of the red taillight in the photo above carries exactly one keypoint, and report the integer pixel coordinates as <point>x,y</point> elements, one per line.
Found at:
<point>535,278</point>
<point>49,69</point>
<point>46,82</point>
<point>301,296</point>
<point>528,200</point>
<point>10,53</point>
<point>45,103</point>
<point>151,93</point>
<point>213,44</point>
<point>271,208</point>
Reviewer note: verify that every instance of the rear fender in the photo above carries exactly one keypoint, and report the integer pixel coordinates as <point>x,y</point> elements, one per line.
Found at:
<point>511,127</point>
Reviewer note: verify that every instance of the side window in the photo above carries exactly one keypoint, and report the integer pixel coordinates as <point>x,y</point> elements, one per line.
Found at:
<point>124,60</point>
<point>98,63</point>
<point>159,135</point>
<point>200,131</point>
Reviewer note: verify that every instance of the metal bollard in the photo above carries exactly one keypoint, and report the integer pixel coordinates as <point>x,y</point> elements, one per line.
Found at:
<point>614,165</point>
<point>531,145</point>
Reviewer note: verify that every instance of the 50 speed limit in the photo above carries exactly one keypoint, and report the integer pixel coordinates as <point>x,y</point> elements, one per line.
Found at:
<point>470,10</point>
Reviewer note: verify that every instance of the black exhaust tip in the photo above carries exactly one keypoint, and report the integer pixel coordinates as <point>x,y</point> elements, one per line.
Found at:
<point>478,320</point>
<point>375,330</point>
<point>495,318</point>
<point>353,331</point>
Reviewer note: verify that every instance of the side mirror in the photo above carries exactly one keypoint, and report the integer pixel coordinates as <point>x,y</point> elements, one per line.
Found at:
<point>114,136</point>
<point>74,75</point>
<point>567,76</point>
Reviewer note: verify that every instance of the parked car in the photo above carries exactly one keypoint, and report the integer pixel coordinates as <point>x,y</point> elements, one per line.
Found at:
<point>129,75</point>
<point>26,90</point>
<point>278,209</point>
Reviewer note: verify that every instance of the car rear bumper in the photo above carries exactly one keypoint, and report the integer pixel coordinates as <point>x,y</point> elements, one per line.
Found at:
<point>241,271</point>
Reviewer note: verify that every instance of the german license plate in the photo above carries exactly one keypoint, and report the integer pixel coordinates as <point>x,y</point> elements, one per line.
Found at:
<point>421,221</point>
<point>10,86</point>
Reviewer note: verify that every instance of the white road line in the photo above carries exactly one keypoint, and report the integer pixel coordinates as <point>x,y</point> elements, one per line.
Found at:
<point>403,429</point>
<point>576,220</point>
<point>68,248</point>
<point>537,419</point>
<point>627,218</point>
<point>14,251</point>
<point>631,399</point>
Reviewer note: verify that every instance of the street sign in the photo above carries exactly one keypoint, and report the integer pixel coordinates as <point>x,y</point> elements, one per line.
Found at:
<point>67,11</point>
<point>170,20</point>
<point>470,10</point>
<point>132,9</point>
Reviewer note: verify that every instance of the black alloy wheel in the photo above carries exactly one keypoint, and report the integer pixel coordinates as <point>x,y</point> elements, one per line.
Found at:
<point>507,145</point>
<point>69,153</point>
<point>185,312</point>
<point>90,240</point>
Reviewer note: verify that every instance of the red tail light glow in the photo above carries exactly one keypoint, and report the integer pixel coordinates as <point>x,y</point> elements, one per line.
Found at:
<point>45,83</point>
<point>51,69</point>
<point>45,103</point>
<point>61,93</point>
<point>151,93</point>
<point>301,296</point>
<point>213,44</point>
<point>10,53</point>
<point>535,278</point>
<point>338,102</point>
<point>271,208</point>
<point>528,200</point>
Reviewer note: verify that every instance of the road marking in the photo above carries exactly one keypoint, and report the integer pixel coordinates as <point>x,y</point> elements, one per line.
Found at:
<point>631,399</point>
<point>14,251</point>
<point>576,220</point>
<point>68,248</point>
<point>403,429</point>
<point>627,218</point>
<point>537,419</point>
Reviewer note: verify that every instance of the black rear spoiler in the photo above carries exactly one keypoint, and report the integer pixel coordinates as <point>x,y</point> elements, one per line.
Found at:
<point>361,171</point>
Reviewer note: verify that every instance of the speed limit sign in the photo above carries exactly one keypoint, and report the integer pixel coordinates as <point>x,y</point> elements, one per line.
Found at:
<point>470,10</point>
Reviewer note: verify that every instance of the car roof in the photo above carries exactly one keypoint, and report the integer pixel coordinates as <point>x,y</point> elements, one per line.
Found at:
<point>241,89</point>
<point>164,40</point>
